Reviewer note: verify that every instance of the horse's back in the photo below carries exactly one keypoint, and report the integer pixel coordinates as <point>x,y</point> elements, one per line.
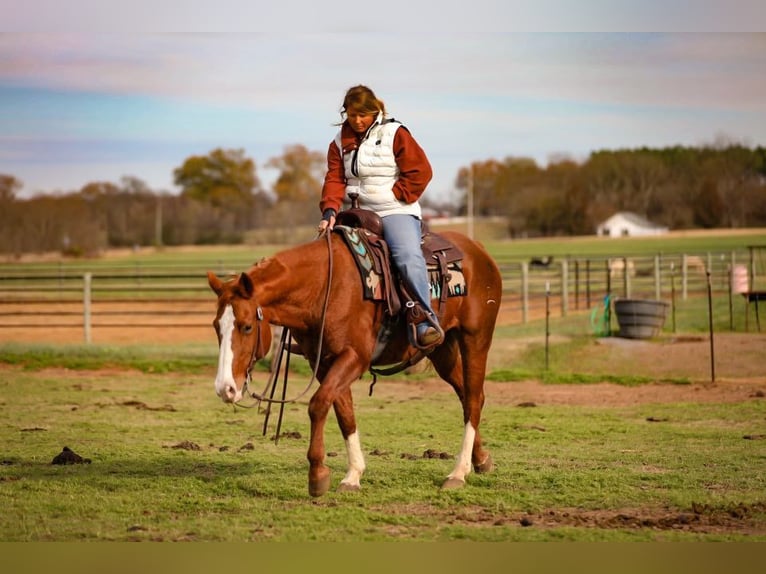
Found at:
<point>476,258</point>
<point>477,310</point>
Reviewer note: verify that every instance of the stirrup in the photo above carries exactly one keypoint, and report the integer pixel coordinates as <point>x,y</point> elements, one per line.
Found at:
<point>433,333</point>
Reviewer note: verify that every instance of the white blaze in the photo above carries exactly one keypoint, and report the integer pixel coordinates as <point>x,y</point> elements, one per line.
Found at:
<point>224,377</point>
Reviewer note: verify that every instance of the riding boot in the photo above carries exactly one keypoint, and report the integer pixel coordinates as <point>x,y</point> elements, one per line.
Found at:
<point>403,235</point>
<point>428,335</point>
<point>425,331</point>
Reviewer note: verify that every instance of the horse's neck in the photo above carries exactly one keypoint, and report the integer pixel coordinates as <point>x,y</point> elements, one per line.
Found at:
<point>288,285</point>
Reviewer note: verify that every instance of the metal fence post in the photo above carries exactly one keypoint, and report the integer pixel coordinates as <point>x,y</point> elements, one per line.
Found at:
<point>86,305</point>
<point>626,287</point>
<point>657,279</point>
<point>564,287</point>
<point>524,292</point>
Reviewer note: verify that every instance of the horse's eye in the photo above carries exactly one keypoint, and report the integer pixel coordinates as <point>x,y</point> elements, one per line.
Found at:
<point>247,329</point>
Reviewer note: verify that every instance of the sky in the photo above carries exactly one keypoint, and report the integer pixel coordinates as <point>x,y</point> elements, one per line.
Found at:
<point>78,106</point>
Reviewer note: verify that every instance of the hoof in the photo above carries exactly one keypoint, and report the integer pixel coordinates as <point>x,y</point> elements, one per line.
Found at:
<point>453,484</point>
<point>321,484</point>
<point>345,487</point>
<point>487,465</point>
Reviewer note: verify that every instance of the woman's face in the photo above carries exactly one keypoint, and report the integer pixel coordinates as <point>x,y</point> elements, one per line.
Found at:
<point>360,121</point>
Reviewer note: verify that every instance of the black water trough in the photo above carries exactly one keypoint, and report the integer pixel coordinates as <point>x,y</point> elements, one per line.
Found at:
<point>640,318</point>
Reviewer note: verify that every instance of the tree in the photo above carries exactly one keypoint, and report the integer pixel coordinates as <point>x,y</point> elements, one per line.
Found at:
<point>298,185</point>
<point>570,204</point>
<point>226,183</point>
<point>222,178</point>
<point>9,185</point>
<point>708,208</point>
<point>495,183</point>
<point>301,172</point>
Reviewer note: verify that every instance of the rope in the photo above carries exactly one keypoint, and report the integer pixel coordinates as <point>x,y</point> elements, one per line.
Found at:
<point>285,337</point>
<point>600,318</point>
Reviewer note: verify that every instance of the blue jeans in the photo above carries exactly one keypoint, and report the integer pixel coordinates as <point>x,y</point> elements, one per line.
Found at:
<point>402,233</point>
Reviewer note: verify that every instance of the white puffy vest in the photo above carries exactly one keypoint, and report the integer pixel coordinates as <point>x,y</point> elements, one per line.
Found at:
<point>371,171</point>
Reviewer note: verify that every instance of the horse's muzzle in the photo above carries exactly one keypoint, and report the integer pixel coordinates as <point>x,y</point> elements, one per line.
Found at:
<point>229,393</point>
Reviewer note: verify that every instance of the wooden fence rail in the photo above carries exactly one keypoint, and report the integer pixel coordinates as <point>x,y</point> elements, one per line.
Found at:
<point>131,296</point>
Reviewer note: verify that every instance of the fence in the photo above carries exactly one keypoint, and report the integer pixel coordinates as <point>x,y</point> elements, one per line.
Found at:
<point>581,283</point>
<point>172,297</point>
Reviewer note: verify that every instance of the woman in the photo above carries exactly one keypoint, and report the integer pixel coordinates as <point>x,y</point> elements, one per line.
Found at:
<point>377,158</point>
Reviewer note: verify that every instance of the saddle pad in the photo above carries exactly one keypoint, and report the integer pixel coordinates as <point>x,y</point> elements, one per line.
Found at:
<point>455,283</point>
<point>371,278</point>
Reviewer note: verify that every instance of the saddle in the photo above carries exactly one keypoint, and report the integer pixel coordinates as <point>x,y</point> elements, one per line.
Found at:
<point>362,231</point>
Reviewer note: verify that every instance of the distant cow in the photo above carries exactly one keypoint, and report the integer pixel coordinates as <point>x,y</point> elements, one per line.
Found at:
<point>696,264</point>
<point>617,267</point>
<point>541,262</point>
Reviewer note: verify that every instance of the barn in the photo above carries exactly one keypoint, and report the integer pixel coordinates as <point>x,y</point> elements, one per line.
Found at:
<point>627,224</point>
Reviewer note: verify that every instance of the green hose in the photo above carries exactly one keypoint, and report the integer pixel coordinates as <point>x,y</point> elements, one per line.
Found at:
<point>600,318</point>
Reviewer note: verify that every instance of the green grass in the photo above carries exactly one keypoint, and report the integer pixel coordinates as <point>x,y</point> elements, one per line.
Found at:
<point>176,359</point>
<point>626,246</point>
<point>125,407</point>
<point>560,459</point>
<point>581,246</point>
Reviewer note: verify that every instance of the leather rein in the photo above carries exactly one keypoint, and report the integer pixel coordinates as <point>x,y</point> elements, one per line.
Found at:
<point>284,347</point>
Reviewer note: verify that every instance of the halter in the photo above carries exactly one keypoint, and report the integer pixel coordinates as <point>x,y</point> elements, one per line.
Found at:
<point>284,344</point>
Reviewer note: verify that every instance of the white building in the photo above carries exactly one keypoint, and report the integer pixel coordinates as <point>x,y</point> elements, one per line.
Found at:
<point>627,224</point>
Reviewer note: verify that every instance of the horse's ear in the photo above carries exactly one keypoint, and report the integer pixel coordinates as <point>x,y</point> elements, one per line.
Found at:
<point>215,283</point>
<point>246,285</point>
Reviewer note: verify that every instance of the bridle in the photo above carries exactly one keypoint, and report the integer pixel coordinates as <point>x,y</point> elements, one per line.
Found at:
<point>284,347</point>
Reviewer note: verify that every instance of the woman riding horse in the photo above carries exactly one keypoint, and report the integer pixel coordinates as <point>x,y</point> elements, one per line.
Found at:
<point>336,329</point>
<point>376,158</point>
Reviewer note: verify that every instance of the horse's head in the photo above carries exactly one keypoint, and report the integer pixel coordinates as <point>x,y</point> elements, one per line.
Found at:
<point>243,335</point>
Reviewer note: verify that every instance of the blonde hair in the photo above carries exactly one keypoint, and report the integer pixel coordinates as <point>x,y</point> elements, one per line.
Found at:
<point>362,99</point>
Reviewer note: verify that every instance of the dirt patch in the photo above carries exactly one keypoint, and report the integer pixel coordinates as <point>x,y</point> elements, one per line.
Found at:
<point>146,322</point>
<point>741,368</point>
<point>68,456</point>
<point>700,518</point>
<point>185,445</point>
<point>732,356</point>
<point>115,322</point>
<point>520,394</point>
<point>736,356</point>
<point>740,374</point>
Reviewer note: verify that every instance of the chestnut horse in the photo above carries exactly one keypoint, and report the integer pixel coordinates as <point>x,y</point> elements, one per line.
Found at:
<point>291,289</point>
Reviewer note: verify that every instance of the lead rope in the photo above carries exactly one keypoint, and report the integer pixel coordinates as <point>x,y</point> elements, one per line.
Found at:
<point>285,342</point>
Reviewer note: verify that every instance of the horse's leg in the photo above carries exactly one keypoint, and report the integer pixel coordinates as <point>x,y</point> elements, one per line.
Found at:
<point>463,367</point>
<point>335,384</point>
<point>344,411</point>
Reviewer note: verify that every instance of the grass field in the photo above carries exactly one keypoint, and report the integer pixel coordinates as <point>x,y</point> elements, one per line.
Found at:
<point>578,459</point>
<point>700,241</point>
<point>617,440</point>
<point>169,462</point>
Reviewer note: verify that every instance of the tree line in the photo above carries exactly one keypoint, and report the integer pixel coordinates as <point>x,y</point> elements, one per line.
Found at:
<point>223,201</point>
<point>678,187</point>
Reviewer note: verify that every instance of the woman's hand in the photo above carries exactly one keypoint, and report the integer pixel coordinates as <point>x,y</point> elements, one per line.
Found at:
<point>326,225</point>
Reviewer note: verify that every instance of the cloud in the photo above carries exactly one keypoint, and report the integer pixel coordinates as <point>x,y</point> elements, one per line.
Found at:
<point>267,71</point>
<point>466,97</point>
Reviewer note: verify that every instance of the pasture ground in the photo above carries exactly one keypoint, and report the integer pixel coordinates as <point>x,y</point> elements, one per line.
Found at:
<point>673,458</point>
<point>584,462</point>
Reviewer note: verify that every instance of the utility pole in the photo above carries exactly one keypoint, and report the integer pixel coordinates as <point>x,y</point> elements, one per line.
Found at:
<point>158,222</point>
<point>469,202</point>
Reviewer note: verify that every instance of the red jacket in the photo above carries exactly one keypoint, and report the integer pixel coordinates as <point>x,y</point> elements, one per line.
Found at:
<point>414,168</point>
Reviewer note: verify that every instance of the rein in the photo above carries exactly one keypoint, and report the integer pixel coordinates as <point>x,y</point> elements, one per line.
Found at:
<point>285,344</point>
